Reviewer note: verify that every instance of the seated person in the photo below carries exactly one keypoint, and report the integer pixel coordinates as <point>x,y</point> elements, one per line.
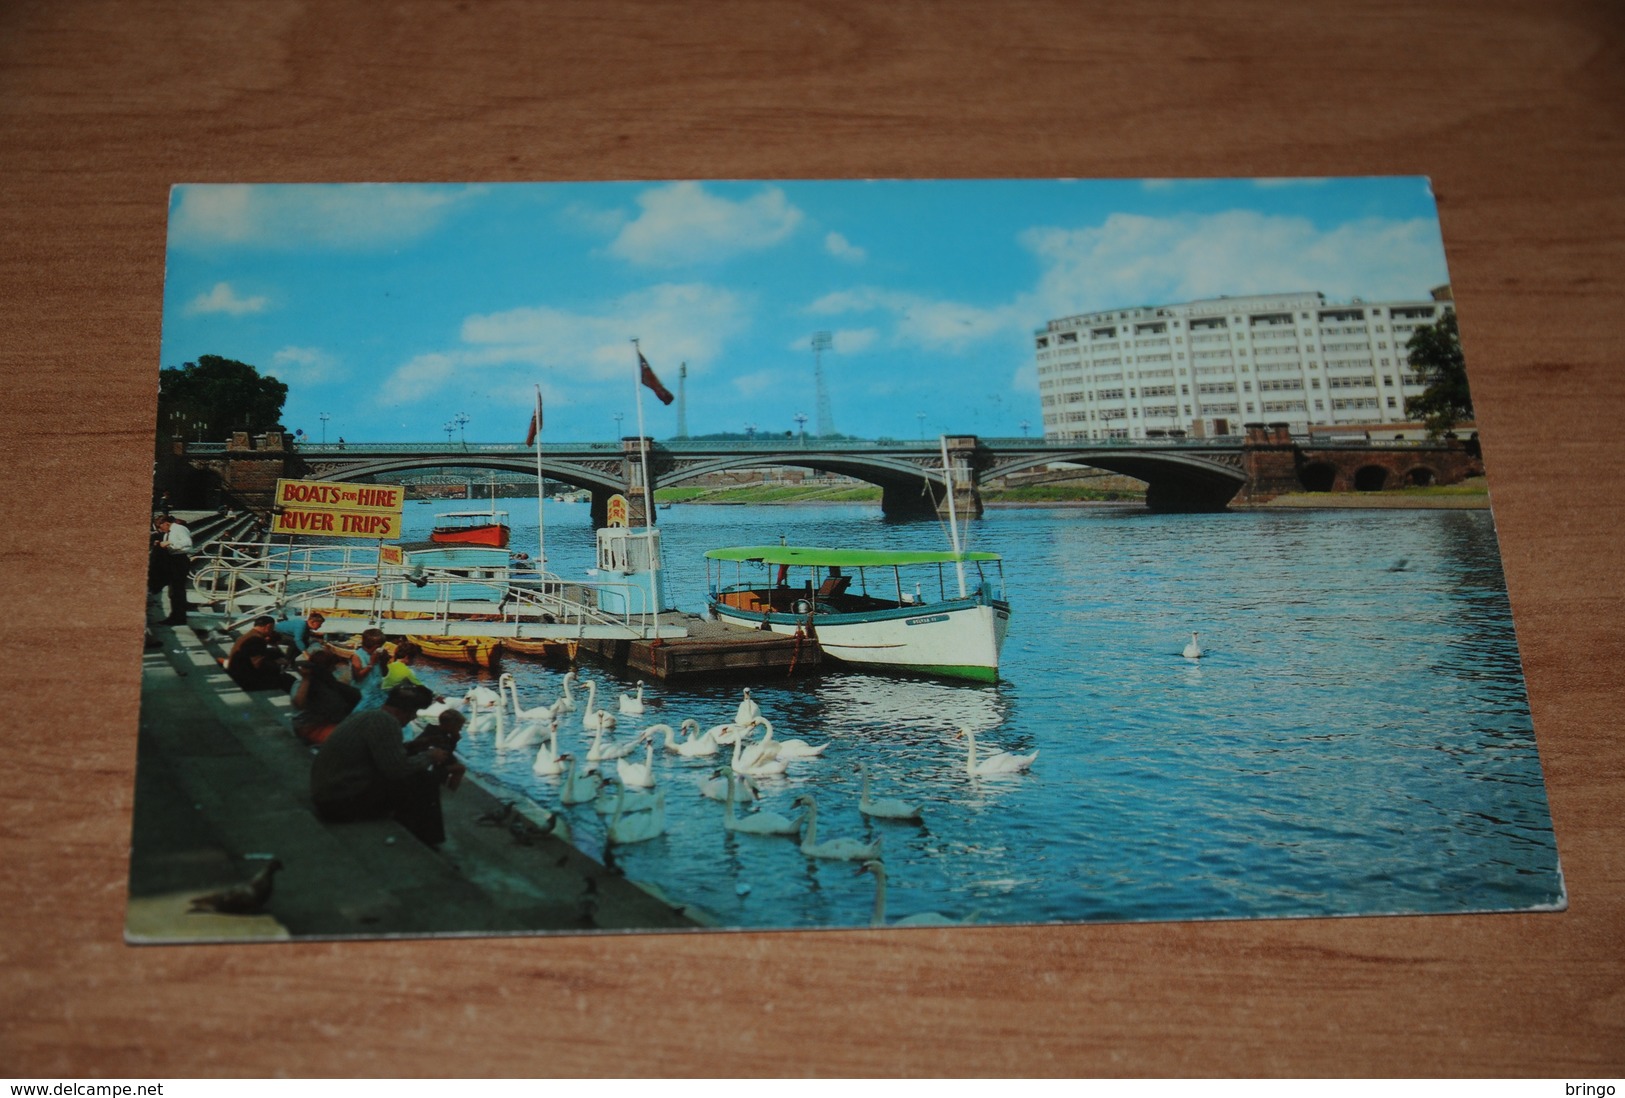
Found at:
<point>445,734</point>
<point>835,585</point>
<point>255,663</point>
<point>400,667</point>
<point>320,701</point>
<point>363,772</point>
<point>300,634</point>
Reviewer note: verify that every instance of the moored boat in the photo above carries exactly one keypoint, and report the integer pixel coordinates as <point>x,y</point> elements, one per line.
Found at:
<point>862,608</point>
<point>487,528</point>
<point>477,651</point>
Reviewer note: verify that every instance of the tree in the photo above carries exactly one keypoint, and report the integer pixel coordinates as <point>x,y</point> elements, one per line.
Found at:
<point>214,396</point>
<point>1435,354</point>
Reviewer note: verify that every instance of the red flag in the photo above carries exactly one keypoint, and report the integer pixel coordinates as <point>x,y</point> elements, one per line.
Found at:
<point>535,420</point>
<point>649,379</point>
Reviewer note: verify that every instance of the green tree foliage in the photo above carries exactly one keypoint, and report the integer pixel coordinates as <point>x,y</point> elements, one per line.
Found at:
<point>214,396</point>
<point>1435,354</point>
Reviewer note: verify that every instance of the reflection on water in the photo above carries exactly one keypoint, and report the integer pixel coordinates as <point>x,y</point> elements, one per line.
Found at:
<point>1357,739</point>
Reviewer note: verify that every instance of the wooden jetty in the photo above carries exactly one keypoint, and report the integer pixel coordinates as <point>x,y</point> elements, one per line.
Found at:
<point>711,651</point>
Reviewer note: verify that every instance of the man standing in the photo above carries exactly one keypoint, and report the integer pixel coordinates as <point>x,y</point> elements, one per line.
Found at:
<point>175,547</point>
<point>363,772</point>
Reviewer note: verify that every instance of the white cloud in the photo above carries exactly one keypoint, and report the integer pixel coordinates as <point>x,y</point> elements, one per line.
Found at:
<point>844,341</point>
<point>305,366</point>
<point>755,384</point>
<point>290,216</point>
<point>920,320</point>
<point>1135,260</point>
<point>223,299</point>
<point>676,323</point>
<point>683,223</point>
<point>841,248</point>
<point>1025,379</point>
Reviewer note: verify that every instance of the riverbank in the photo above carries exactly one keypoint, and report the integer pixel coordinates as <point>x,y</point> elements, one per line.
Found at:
<point>222,785</point>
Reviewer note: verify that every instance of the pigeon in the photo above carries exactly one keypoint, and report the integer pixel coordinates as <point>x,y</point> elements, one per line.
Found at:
<point>247,898</point>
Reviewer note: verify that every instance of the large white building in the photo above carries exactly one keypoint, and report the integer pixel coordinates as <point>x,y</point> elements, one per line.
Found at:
<point>1205,368</point>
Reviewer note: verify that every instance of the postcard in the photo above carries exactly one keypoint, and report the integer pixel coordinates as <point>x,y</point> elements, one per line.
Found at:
<point>690,555</point>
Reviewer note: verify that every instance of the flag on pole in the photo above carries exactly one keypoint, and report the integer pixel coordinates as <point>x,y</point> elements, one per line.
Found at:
<point>535,421</point>
<point>649,379</point>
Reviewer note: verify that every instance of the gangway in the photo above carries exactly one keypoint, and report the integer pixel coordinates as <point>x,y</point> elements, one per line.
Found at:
<point>244,580</point>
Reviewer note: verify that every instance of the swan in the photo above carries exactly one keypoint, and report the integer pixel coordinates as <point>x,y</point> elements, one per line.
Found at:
<point>599,753</point>
<point>638,827</point>
<point>787,749</point>
<point>924,918</point>
<point>1193,651</point>
<point>999,762</point>
<point>484,710</point>
<point>630,706</point>
<point>638,775</point>
<point>694,746</point>
<point>431,715</point>
<point>549,763</point>
<point>567,700</point>
<point>757,823</point>
<point>579,788</point>
<point>835,849</point>
<point>521,715</point>
<point>593,718</point>
<point>717,786</point>
<point>886,808</point>
<point>728,734</point>
<point>756,766</point>
<point>748,710</point>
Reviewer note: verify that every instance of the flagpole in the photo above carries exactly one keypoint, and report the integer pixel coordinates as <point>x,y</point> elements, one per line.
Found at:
<point>541,548</point>
<point>648,495</point>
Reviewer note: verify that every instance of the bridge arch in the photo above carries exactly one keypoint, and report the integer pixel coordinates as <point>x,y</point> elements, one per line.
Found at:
<point>1174,481</point>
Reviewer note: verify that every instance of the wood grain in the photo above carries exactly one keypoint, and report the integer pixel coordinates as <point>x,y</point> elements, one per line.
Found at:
<point>1513,108</point>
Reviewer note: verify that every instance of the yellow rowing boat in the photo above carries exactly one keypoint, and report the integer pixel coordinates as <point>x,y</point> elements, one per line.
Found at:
<point>477,651</point>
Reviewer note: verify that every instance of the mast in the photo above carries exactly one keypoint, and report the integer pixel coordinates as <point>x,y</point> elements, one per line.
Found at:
<point>541,547</point>
<point>648,494</point>
<point>953,517</point>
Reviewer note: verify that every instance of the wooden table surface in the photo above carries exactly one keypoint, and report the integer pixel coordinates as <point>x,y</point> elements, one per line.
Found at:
<point>1515,109</point>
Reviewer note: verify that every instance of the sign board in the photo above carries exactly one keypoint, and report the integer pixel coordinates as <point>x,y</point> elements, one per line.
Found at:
<point>335,509</point>
<point>615,514</point>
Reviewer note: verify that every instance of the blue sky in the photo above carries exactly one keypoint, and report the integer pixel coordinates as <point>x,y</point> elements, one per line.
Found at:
<point>393,307</point>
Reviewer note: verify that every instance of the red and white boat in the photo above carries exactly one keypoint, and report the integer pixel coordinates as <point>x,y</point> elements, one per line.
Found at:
<point>489,528</point>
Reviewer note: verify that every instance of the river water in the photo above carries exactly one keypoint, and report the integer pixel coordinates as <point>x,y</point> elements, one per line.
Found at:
<point>1356,741</point>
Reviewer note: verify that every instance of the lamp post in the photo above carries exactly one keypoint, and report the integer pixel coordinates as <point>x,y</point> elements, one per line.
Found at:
<point>1024,426</point>
<point>801,425</point>
<point>750,432</point>
<point>461,419</point>
<point>921,417</point>
<point>448,427</point>
<point>324,417</point>
<point>618,417</point>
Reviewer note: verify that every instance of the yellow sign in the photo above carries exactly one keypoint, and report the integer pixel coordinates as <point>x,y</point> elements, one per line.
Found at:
<point>615,514</point>
<point>390,554</point>
<point>336,509</point>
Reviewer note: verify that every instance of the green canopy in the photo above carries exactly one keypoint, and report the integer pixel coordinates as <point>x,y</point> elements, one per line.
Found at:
<point>841,558</point>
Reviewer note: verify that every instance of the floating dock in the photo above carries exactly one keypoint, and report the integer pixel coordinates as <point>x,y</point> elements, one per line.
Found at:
<point>710,651</point>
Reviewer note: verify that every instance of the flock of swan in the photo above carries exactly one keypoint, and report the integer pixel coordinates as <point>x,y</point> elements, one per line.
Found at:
<point>574,740</point>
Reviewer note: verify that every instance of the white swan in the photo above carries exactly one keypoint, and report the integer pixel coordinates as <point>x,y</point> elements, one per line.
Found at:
<point>755,765</point>
<point>639,827</point>
<point>638,775</point>
<point>521,715</point>
<point>924,918</point>
<point>567,700</point>
<point>484,709</point>
<point>633,706</point>
<point>886,808</point>
<point>549,763</point>
<point>1193,651</point>
<point>611,794</point>
<point>748,710</point>
<point>999,762</point>
<point>592,718</point>
<point>757,823</point>
<point>717,786</point>
<point>431,715</point>
<point>599,753</point>
<point>728,734</point>
<point>787,749</point>
<point>695,746</point>
<point>579,788</point>
<point>834,849</point>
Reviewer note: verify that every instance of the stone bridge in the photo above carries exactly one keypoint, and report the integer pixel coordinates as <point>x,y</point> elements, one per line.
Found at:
<point>1180,475</point>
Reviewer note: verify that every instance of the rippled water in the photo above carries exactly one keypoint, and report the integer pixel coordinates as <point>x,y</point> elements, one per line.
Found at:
<point>1356,741</point>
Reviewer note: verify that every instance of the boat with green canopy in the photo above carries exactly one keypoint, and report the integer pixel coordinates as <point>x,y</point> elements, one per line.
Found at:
<point>881,608</point>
